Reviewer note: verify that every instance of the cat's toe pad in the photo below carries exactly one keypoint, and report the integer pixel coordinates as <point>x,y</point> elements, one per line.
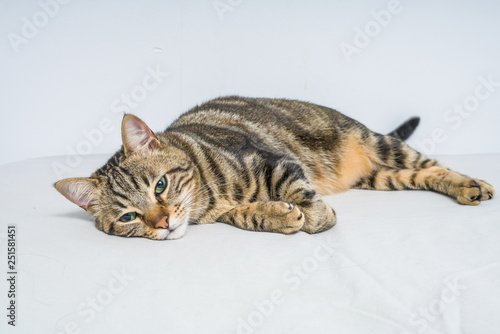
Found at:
<point>486,189</point>
<point>291,218</point>
<point>475,191</point>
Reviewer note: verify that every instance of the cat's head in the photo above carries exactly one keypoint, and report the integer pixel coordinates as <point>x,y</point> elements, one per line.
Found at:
<point>148,189</point>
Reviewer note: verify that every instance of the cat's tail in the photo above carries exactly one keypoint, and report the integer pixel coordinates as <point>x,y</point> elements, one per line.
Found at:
<point>405,130</point>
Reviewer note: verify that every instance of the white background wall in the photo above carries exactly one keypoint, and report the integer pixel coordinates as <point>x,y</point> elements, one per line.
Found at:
<point>72,73</point>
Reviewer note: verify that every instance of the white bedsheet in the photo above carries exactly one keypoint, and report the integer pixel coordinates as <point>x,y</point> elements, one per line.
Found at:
<point>397,262</point>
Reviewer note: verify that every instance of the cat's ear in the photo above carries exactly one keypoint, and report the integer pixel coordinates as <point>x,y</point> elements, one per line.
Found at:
<point>137,136</point>
<point>80,191</point>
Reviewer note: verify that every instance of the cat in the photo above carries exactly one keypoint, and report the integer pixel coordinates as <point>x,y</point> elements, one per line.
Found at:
<point>255,163</point>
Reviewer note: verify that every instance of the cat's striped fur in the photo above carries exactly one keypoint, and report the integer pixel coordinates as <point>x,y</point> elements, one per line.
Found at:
<point>258,164</point>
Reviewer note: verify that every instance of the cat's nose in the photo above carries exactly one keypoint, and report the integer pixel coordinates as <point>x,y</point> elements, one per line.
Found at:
<point>163,222</point>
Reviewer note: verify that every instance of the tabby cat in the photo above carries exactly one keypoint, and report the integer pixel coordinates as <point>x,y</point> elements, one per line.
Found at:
<point>258,164</point>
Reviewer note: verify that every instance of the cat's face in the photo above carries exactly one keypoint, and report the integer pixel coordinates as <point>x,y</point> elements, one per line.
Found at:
<point>147,191</point>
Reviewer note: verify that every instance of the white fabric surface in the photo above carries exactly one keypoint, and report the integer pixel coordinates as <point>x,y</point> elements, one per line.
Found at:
<point>397,262</point>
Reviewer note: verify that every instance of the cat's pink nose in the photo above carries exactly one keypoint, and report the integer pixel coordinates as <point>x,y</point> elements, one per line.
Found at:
<point>163,222</point>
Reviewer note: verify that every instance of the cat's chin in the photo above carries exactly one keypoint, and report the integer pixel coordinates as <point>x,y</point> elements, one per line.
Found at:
<point>178,232</point>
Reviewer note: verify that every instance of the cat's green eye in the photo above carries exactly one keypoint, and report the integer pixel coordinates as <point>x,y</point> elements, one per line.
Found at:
<point>128,217</point>
<point>160,186</point>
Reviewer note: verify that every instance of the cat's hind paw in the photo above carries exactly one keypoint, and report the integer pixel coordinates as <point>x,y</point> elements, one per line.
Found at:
<point>475,191</point>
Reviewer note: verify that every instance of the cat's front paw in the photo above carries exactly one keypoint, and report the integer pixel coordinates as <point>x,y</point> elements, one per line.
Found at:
<point>474,191</point>
<point>288,218</point>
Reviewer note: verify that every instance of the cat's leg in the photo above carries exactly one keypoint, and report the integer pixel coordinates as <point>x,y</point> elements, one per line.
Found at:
<point>282,217</point>
<point>319,216</point>
<point>464,189</point>
<point>294,187</point>
<point>402,167</point>
<point>293,204</point>
<point>273,216</point>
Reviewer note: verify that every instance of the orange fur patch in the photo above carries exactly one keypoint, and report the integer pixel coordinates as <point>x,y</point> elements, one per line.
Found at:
<point>355,163</point>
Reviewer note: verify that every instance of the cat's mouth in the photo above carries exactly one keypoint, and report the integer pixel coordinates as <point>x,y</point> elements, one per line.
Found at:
<point>171,233</point>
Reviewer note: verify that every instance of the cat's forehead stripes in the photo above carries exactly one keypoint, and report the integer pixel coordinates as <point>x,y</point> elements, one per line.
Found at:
<point>121,202</point>
<point>129,176</point>
<point>179,169</point>
<point>122,182</point>
<point>146,181</point>
<point>129,181</point>
<point>120,188</point>
<point>123,187</point>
